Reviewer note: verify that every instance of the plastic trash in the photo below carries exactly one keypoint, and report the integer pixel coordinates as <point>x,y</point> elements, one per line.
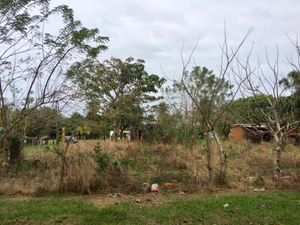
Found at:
<point>154,188</point>
<point>259,189</point>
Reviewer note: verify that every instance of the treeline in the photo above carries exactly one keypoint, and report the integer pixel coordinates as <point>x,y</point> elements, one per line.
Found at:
<point>162,123</point>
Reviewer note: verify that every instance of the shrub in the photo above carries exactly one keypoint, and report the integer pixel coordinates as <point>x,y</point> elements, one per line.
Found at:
<point>14,148</point>
<point>103,160</point>
<point>41,191</point>
<point>222,179</point>
<point>259,181</point>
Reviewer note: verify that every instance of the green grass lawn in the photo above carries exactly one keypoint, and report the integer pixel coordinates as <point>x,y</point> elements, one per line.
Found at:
<point>265,208</point>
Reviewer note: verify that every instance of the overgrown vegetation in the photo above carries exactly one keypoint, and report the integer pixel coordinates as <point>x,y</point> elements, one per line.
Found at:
<point>178,135</point>
<point>124,167</point>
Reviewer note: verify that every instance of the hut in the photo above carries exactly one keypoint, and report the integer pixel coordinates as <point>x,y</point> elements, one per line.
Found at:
<point>250,132</point>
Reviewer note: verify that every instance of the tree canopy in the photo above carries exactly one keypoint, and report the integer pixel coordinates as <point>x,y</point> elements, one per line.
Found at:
<point>33,62</point>
<point>121,87</point>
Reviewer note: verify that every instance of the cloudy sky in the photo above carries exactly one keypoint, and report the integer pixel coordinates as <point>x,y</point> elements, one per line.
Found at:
<point>156,30</point>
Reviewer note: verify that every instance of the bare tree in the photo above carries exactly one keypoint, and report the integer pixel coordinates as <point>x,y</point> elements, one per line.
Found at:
<point>210,114</point>
<point>279,114</point>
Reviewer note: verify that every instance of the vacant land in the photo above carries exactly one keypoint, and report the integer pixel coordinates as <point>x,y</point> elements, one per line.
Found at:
<point>265,208</point>
<point>125,167</point>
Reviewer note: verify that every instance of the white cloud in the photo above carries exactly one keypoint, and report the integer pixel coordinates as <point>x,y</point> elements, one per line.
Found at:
<point>156,30</point>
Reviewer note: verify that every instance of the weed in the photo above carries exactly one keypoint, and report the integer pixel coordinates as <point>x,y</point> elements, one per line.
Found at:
<point>124,166</point>
<point>103,160</point>
<point>259,182</point>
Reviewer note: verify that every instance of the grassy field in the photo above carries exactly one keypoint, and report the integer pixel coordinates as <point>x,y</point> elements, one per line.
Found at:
<point>265,208</point>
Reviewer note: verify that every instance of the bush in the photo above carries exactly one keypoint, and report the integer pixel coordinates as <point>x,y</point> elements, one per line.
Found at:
<point>14,148</point>
<point>103,160</point>
<point>259,181</point>
<point>222,179</point>
<point>41,191</point>
<point>110,171</point>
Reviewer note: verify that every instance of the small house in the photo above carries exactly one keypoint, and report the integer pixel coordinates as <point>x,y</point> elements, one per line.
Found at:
<point>253,133</point>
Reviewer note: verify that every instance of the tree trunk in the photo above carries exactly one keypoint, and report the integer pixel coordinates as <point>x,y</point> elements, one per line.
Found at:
<point>221,153</point>
<point>15,148</point>
<point>276,163</point>
<point>209,137</point>
<point>62,173</point>
<point>64,149</point>
<point>116,130</point>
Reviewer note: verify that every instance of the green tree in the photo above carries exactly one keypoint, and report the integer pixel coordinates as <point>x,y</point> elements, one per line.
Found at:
<point>93,109</point>
<point>209,91</point>
<point>32,62</point>
<point>121,87</point>
<point>249,110</point>
<point>292,82</point>
<point>254,109</point>
<point>82,131</point>
<point>41,121</point>
<point>203,85</point>
<point>72,122</point>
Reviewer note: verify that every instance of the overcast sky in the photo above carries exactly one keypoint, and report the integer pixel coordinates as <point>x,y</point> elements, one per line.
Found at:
<point>156,30</point>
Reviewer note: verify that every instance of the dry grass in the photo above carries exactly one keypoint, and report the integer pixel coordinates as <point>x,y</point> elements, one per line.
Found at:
<point>249,165</point>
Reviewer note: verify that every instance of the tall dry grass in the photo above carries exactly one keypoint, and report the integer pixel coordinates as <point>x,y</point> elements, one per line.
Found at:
<point>249,165</point>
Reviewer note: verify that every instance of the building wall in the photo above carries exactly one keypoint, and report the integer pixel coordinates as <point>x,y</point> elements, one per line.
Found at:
<point>236,133</point>
<point>239,133</point>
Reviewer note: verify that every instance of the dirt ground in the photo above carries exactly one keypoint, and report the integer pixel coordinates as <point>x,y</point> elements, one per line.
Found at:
<point>147,199</point>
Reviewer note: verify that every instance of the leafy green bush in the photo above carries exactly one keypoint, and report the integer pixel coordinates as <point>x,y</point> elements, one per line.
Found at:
<point>103,160</point>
